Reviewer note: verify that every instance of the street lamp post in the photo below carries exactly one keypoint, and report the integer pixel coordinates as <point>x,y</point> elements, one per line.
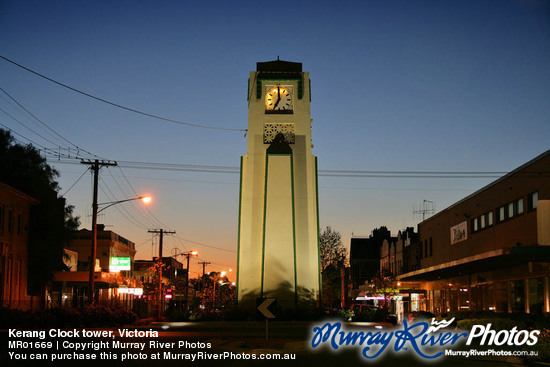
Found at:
<point>93,252</point>
<point>188,255</point>
<point>220,275</point>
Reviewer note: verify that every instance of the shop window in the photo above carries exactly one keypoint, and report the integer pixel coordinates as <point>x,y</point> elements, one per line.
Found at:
<point>437,302</point>
<point>536,295</point>
<point>517,292</point>
<point>501,297</point>
<point>489,305</point>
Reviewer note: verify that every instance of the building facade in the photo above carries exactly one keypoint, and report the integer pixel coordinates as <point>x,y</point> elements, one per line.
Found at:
<point>491,250</point>
<point>70,288</point>
<point>15,212</point>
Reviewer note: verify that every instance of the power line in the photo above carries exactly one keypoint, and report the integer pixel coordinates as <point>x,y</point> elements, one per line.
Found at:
<point>146,208</point>
<point>132,204</point>
<point>26,127</point>
<point>116,104</point>
<point>46,125</point>
<point>46,150</point>
<point>324,173</point>
<point>69,189</point>
<point>205,245</point>
<point>120,209</point>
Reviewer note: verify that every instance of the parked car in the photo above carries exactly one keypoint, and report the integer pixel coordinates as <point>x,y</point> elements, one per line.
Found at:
<point>366,312</point>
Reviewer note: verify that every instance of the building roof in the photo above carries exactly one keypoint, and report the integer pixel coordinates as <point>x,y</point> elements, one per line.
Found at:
<point>13,190</point>
<point>279,70</point>
<point>279,65</point>
<point>523,168</point>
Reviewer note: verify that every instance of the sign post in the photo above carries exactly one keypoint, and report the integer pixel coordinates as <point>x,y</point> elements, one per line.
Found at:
<point>265,307</point>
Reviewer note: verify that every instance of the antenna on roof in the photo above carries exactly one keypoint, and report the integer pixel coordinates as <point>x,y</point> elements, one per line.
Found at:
<point>428,207</point>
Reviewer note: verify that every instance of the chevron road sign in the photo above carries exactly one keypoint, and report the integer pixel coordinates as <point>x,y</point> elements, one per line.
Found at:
<point>266,307</point>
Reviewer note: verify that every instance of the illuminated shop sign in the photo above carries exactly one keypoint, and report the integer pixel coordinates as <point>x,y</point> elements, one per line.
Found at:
<point>119,264</point>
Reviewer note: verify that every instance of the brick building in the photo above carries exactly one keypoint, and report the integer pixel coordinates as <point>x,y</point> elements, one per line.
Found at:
<point>491,250</point>
<point>15,209</point>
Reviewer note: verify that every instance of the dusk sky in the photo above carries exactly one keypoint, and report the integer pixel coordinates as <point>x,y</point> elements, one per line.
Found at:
<point>416,86</point>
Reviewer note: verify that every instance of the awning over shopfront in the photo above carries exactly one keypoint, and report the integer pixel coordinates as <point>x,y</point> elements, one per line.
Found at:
<point>103,280</point>
<point>491,260</point>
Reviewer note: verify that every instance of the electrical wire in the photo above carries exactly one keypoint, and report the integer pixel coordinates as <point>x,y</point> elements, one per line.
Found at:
<point>130,204</point>
<point>26,127</point>
<point>45,149</point>
<point>69,189</point>
<point>116,104</point>
<point>46,125</point>
<point>162,225</point>
<point>324,173</point>
<point>205,245</point>
<point>120,209</point>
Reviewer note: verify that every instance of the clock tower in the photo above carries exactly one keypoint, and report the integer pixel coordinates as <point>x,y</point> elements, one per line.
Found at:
<point>278,252</point>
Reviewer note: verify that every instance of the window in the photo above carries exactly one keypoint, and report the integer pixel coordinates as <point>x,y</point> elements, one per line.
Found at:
<point>511,210</point>
<point>10,221</point>
<point>431,247</point>
<point>19,224</point>
<point>519,206</point>
<point>502,214</point>
<point>489,219</point>
<point>532,200</point>
<point>483,221</point>
<point>1,219</point>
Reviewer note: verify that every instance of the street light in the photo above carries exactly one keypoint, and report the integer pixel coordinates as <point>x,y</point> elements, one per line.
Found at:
<point>145,199</point>
<point>93,254</point>
<point>221,282</point>
<point>188,255</point>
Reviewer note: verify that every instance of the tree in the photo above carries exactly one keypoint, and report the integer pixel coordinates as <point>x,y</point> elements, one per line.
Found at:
<point>154,288</point>
<point>333,261</point>
<point>385,283</point>
<point>52,222</point>
<point>331,248</point>
<point>216,294</point>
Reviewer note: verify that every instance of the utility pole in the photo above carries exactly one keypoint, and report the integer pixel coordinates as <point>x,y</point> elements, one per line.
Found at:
<point>203,263</point>
<point>161,233</point>
<point>94,166</point>
<point>188,255</point>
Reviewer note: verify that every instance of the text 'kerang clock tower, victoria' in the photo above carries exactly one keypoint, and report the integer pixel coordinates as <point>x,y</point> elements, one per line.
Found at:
<point>278,209</point>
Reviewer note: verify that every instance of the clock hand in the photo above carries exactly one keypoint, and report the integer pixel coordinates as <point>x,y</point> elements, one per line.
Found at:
<point>278,98</point>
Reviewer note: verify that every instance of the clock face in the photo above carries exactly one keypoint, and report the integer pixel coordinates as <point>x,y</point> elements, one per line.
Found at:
<point>278,98</point>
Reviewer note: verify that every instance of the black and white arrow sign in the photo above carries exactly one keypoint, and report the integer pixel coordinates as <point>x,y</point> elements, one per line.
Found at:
<point>264,305</point>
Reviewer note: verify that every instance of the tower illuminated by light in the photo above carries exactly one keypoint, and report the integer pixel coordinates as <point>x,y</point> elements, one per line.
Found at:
<point>278,212</point>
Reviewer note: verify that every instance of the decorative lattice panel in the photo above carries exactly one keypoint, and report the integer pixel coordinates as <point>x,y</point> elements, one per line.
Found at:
<point>271,130</point>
